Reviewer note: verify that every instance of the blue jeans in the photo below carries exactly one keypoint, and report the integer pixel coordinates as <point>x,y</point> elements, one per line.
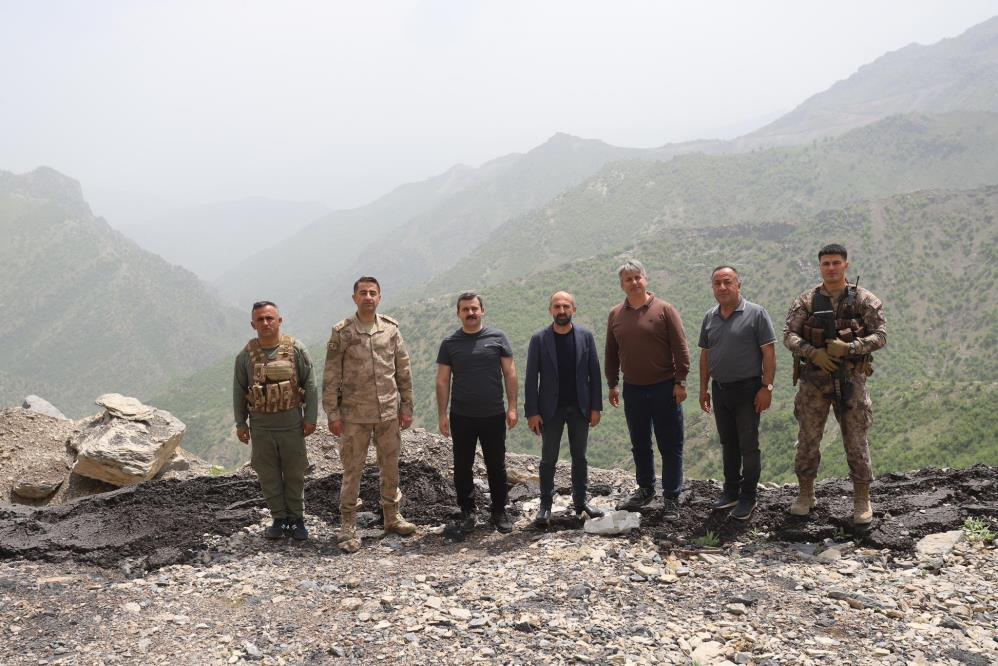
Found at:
<point>578,438</point>
<point>645,408</point>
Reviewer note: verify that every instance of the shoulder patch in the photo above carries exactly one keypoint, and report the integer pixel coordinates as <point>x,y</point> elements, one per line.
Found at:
<point>341,325</point>
<point>388,319</point>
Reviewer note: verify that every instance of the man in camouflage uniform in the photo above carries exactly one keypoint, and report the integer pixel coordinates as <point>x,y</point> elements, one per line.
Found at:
<point>274,388</point>
<point>367,391</point>
<point>833,330</point>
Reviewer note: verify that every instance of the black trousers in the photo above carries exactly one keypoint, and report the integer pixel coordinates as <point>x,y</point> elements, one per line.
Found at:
<point>738,428</point>
<point>467,431</point>
<point>578,438</point>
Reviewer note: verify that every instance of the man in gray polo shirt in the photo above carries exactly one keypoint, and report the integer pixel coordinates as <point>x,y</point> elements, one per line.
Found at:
<point>737,351</point>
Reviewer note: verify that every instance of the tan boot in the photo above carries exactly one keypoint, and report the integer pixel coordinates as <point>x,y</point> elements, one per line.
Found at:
<point>805,498</point>
<point>394,522</point>
<point>862,511</point>
<point>347,540</point>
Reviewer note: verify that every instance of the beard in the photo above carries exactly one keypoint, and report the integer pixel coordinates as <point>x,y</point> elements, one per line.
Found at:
<point>563,319</point>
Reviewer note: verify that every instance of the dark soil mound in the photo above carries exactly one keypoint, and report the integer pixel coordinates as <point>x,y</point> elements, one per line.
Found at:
<point>169,521</point>
<point>906,508</point>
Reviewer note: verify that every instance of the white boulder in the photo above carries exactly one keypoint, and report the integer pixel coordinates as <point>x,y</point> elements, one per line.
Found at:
<point>127,444</point>
<point>614,522</point>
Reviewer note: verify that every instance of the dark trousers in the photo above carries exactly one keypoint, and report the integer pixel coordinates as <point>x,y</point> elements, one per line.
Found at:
<point>466,431</point>
<point>738,428</point>
<point>578,438</point>
<point>654,407</point>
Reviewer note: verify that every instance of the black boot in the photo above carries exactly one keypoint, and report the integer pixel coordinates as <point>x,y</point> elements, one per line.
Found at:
<point>298,531</point>
<point>588,509</point>
<point>543,519</point>
<point>467,522</point>
<point>276,529</point>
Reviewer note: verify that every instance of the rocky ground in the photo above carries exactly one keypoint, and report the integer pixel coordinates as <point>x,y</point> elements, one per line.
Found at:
<point>176,571</point>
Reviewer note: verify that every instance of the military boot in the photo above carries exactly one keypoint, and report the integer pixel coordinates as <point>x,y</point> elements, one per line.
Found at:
<point>862,511</point>
<point>394,522</point>
<point>347,540</point>
<point>805,498</point>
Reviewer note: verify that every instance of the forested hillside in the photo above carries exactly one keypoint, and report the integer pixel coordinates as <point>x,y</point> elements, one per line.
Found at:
<point>630,200</point>
<point>89,312</point>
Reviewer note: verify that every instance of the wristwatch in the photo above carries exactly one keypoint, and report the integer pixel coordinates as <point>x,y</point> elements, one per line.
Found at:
<point>681,382</point>
<point>769,387</point>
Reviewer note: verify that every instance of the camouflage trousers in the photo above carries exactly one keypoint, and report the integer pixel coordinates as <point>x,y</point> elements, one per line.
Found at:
<point>811,408</point>
<point>279,460</point>
<point>353,454</point>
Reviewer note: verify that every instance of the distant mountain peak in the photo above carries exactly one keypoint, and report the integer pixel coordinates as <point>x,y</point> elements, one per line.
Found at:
<point>47,183</point>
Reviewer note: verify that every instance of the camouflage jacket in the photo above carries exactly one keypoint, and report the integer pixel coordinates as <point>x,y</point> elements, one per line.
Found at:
<point>367,378</point>
<point>868,307</point>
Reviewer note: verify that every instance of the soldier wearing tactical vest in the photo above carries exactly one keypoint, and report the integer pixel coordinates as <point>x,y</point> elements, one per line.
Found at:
<point>367,392</point>
<point>833,330</point>
<point>275,389</point>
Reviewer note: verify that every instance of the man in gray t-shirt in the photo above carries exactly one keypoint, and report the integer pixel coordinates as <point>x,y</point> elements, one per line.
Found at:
<point>738,351</point>
<point>473,365</point>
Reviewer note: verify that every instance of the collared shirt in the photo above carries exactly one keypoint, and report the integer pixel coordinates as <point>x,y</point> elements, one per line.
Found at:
<point>647,343</point>
<point>367,377</point>
<point>735,342</point>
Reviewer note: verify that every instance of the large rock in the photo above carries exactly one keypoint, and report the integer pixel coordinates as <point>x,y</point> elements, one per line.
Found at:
<point>38,486</point>
<point>42,406</point>
<point>128,443</point>
<point>614,522</point>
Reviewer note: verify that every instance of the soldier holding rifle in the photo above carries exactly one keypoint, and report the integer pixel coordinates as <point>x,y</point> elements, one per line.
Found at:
<point>833,330</point>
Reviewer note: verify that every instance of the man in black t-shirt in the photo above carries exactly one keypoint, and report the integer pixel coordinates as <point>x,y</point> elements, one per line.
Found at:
<point>473,364</point>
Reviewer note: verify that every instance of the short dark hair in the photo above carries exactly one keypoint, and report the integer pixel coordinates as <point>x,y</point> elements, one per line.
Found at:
<point>263,304</point>
<point>366,278</point>
<point>467,296</point>
<point>722,267</point>
<point>833,248</point>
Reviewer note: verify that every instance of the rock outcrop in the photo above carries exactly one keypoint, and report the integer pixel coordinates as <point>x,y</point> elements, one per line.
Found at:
<point>42,406</point>
<point>129,443</point>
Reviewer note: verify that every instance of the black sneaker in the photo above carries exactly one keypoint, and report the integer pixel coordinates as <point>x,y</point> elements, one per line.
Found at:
<point>725,501</point>
<point>670,509</point>
<point>467,522</point>
<point>639,498</point>
<point>502,522</point>
<point>298,531</point>
<point>744,509</point>
<point>276,529</point>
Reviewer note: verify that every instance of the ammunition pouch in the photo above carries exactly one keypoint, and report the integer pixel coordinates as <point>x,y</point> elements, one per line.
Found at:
<point>275,382</point>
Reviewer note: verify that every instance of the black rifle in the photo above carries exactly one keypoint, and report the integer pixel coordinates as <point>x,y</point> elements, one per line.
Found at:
<point>840,378</point>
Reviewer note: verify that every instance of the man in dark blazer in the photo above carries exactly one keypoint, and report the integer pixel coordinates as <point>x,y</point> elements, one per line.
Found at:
<point>562,363</point>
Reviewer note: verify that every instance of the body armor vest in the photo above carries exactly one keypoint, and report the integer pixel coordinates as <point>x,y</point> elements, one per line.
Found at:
<point>273,382</point>
<point>848,325</point>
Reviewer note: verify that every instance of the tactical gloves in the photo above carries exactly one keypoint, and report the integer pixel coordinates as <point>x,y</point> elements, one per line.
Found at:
<point>823,360</point>
<point>837,348</point>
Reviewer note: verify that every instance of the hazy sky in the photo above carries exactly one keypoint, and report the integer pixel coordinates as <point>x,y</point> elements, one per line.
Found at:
<point>339,102</point>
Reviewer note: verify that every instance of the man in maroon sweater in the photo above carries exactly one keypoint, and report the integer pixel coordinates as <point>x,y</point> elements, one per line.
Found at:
<point>645,340</point>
